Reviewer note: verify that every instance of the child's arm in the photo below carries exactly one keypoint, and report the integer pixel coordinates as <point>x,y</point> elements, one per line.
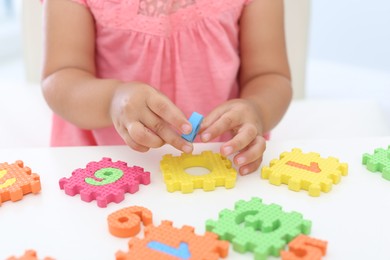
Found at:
<point>142,116</point>
<point>264,82</point>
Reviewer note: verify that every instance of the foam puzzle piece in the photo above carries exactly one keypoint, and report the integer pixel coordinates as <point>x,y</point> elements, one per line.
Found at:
<point>105,180</point>
<point>176,178</point>
<point>29,255</point>
<point>165,242</point>
<point>305,248</point>
<point>305,171</point>
<point>259,228</point>
<point>378,162</point>
<point>195,120</point>
<point>127,222</point>
<point>16,180</point>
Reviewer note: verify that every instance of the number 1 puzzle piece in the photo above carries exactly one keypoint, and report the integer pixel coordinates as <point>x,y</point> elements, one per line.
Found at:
<point>16,180</point>
<point>105,180</point>
<point>262,229</point>
<point>305,248</point>
<point>378,162</point>
<point>306,171</point>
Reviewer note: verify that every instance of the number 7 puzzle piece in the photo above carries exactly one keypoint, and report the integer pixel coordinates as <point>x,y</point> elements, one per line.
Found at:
<point>16,180</point>
<point>307,171</point>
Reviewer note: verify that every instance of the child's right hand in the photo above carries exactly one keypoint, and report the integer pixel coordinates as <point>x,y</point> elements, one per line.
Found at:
<point>145,118</point>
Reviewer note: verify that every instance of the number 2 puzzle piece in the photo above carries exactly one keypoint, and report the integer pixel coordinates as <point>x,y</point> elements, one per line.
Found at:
<point>257,227</point>
<point>305,248</point>
<point>16,180</point>
<point>175,177</point>
<point>29,255</point>
<point>378,162</point>
<point>305,171</point>
<point>106,181</point>
<point>166,242</point>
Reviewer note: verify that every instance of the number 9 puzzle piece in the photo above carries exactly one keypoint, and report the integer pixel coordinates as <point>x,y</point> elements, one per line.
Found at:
<point>105,180</point>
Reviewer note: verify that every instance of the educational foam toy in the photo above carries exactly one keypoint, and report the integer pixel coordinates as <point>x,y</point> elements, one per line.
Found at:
<point>127,222</point>
<point>378,162</point>
<point>16,180</point>
<point>106,181</point>
<point>305,171</point>
<point>176,178</point>
<point>195,120</point>
<point>29,255</point>
<point>165,242</point>
<point>257,227</point>
<point>305,248</point>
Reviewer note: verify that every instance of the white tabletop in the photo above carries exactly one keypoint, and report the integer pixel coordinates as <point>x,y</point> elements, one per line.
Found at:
<point>354,217</point>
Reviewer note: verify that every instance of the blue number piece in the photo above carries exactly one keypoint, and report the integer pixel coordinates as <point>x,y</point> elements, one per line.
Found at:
<point>181,252</point>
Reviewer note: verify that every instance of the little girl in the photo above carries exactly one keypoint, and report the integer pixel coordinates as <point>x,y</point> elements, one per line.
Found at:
<point>132,72</point>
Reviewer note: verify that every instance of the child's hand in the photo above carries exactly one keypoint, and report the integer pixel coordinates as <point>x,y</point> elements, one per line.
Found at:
<point>241,117</point>
<point>146,119</point>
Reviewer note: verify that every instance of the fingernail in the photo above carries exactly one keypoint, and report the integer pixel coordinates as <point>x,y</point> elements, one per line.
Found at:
<point>241,160</point>
<point>187,148</point>
<point>186,128</point>
<point>245,171</point>
<point>227,150</point>
<point>206,137</point>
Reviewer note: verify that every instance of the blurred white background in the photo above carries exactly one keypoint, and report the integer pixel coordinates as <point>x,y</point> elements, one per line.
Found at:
<point>348,57</point>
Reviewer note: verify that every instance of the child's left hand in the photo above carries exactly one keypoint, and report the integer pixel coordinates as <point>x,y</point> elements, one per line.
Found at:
<point>242,118</point>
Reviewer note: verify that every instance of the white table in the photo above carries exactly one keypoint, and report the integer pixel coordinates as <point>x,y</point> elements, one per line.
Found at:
<point>353,217</point>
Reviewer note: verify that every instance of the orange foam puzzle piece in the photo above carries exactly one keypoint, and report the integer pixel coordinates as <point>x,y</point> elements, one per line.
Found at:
<point>165,242</point>
<point>16,180</point>
<point>29,255</point>
<point>305,248</point>
<point>127,222</point>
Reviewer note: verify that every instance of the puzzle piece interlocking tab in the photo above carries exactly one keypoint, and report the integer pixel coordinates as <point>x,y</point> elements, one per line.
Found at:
<point>378,162</point>
<point>176,178</point>
<point>306,171</point>
<point>105,180</point>
<point>257,227</point>
<point>16,180</point>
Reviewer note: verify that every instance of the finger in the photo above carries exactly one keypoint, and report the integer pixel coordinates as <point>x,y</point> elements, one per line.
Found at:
<point>251,153</point>
<point>130,142</point>
<point>246,134</point>
<point>250,168</point>
<point>224,123</point>
<point>167,134</point>
<point>170,113</point>
<point>143,136</point>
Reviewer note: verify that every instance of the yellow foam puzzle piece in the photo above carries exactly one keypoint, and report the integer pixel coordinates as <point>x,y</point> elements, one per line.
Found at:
<point>176,178</point>
<point>302,171</point>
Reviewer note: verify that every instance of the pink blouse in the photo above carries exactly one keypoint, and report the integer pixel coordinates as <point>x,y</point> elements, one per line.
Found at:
<point>188,49</point>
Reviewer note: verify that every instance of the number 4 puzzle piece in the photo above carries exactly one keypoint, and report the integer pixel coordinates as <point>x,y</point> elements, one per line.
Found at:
<point>305,171</point>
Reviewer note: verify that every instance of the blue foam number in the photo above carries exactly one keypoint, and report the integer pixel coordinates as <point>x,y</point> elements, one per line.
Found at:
<point>182,252</point>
